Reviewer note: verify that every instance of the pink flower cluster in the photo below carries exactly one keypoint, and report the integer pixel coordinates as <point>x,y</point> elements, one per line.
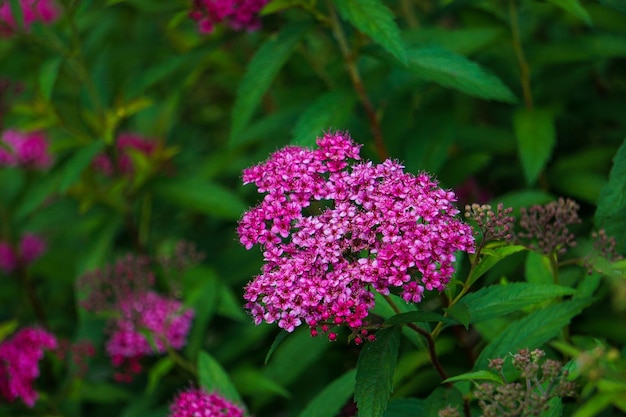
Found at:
<point>19,358</point>
<point>29,249</point>
<point>44,11</point>
<point>125,144</point>
<point>24,149</point>
<point>367,227</point>
<point>198,403</point>
<point>238,14</point>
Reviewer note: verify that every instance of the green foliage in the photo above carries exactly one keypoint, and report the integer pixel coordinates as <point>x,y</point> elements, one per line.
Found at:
<point>612,204</point>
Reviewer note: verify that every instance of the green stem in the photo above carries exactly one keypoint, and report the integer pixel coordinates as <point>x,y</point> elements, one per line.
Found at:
<point>350,58</point>
<point>181,361</point>
<point>521,58</point>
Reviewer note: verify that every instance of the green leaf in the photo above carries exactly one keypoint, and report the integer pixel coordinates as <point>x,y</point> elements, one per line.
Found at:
<point>275,6</point>
<point>7,328</point>
<point>202,196</point>
<point>499,300</point>
<point>481,375</point>
<point>277,341</point>
<point>331,399</point>
<point>77,164</point>
<point>554,409</point>
<point>261,71</point>
<point>103,392</point>
<point>532,331</point>
<point>48,76</point>
<point>201,292</point>
<point>375,368</point>
<point>536,137</point>
<point>575,8</point>
<point>537,269</point>
<point>461,313</point>
<point>595,405</point>
<point>611,212</point>
<point>157,372</point>
<point>490,257</point>
<point>455,71</point>
<point>212,377</point>
<point>375,20</point>
<point>329,111</point>
<point>416,317</point>
<point>251,381</point>
<point>461,41</point>
<point>615,4</point>
<point>405,407</point>
<point>441,398</point>
<point>294,355</point>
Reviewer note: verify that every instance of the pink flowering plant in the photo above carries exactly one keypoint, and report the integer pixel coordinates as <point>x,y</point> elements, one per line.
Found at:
<point>372,208</point>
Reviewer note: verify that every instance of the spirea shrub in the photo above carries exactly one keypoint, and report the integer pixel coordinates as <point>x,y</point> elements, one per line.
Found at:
<point>333,229</point>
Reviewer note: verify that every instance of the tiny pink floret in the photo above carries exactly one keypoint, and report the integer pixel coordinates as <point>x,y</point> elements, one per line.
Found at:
<point>196,402</point>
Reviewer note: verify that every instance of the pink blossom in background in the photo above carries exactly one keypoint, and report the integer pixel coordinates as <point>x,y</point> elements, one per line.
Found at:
<point>125,142</point>
<point>196,402</point>
<point>238,14</point>
<point>8,258</point>
<point>20,356</point>
<point>333,230</point>
<point>25,149</point>
<point>42,11</point>
<point>163,318</point>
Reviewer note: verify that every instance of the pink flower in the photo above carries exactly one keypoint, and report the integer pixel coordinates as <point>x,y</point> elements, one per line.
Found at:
<point>196,402</point>
<point>8,258</point>
<point>126,143</point>
<point>24,149</point>
<point>19,357</point>
<point>44,11</point>
<point>31,247</point>
<point>332,231</point>
<point>163,318</point>
<point>238,14</point>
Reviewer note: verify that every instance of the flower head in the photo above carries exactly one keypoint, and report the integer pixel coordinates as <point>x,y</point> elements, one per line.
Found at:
<point>196,402</point>
<point>24,149</point>
<point>30,248</point>
<point>19,358</point>
<point>545,228</point>
<point>333,230</point>
<point>44,11</point>
<point>238,14</point>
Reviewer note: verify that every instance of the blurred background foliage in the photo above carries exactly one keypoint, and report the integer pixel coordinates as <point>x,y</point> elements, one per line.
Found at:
<point>513,101</point>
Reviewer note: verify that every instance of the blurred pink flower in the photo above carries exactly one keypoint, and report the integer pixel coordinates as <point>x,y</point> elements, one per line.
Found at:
<point>238,14</point>
<point>125,142</point>
<point>44,11</point>
<point>30,248</point>
<point>196,402</point>
<point>24,149</point>
<point>8,259</point>
<point>19,363</point>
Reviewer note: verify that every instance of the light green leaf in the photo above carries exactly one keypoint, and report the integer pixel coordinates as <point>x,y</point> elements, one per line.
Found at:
<point>536,137</point>
<point>375,20</point>
<point>375,368</point>
<point>213,378</point>
<point>275,6</point>
<point>441,398</point>
<point>261,71</point>
<point>329,111</point>
<point>532,331</point>
<point>7,328</point>
<point>157,372</point>
<point>455,71</point>
<point>499,300</point>
<point>48,76</point>
<point>202,196</point>
<point>251,381</point>
<point>537,269</point>
<point>77,164</point>
<point>490,258</point>
<point>481,375</point>
<point>575,8</point>
<point>611,212</point>
<point>331,399</point>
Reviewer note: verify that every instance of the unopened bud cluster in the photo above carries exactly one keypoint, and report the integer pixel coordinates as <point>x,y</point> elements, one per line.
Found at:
<point>545,228</point>
<point>492,225</point>
<point>542,380</point>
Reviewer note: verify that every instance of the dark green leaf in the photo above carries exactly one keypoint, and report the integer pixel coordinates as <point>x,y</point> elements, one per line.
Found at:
<point>261,71</point>
<point>157,372</point>
<point>375,367</point>
<point>329,111</point>
<point>455,71</point>
<point>615,4</point>
<point>103,392</point>
<point>532,331</point>
<point>251,381</point>
<point>537,269</point>
<point>405,407</point>
<point>213,378</point>
<point>375,20</point>
<point>277,341</point>
<point>441,398</point>
<point>461,41</point>
<point>48,76</point>
<point>555,408</point>
<point>536,137</point>
<point>330,400</point>
<point>611,212</point>
<point>201,292</point>
<point>275,6</point>
<point>202,196</point>
<point>77,164</point>
<point>575,8</point>
<point>490,257</point>
<point>416,317</point>
<point>481,375</point>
